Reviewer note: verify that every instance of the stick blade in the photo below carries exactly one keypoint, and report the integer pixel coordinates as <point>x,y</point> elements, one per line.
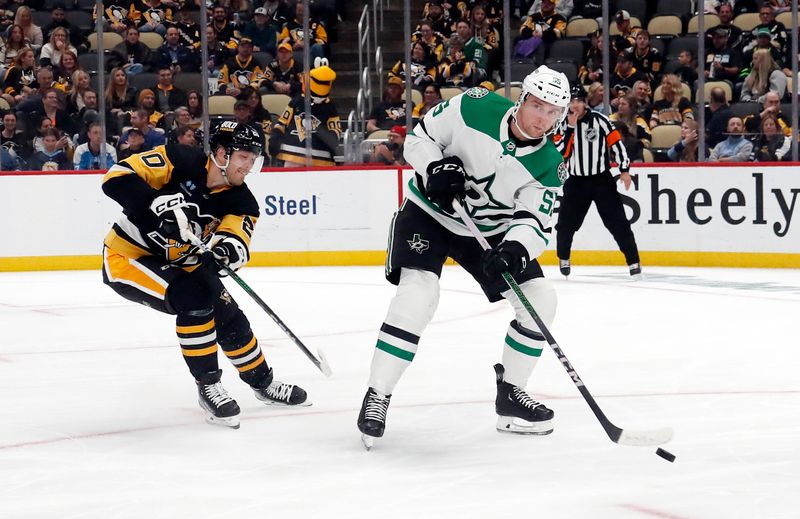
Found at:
<point>645,438</point>
<point>323,364</point>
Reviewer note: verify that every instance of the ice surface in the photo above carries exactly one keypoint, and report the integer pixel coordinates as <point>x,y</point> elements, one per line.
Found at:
<point>100,417</point>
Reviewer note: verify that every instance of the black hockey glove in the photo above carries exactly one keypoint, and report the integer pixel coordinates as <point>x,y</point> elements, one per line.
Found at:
<point>509,256</point>
<point>229,251</point>
<point>445,182</point>
<point>174,220</point>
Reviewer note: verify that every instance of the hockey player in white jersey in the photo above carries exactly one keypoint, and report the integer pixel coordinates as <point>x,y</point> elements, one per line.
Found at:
<point>495,155</point>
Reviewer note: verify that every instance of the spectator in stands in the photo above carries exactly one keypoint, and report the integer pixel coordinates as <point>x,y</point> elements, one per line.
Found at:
<point>32,32</point>
<point>259,115</point>
<point>52,157</point>
<point>154,16</point>
<point>455,70</point>
<point>623,78</point>
<point>51,107</point>
<point>646,58</point>
<point>391,151</point>
<point>722,61</point>
<point>283,74</point>
<point>771,145</point>
<point>763,41</point>
<point>765,76</point>
<point>67,68</point>
<point>195,107</point>
<point>278,12</point>
<point>474,51</point>
<point>434,40</point>
<point>294,33</point>
<point>543,27</point>
<point>431,97</point>
<point>90,107</point>
<point>13,139</point>
<point>147,101</point>
<point>20,78</point>
<point>594,97</point>
<point>187,27</point>
<point>591,69</point>
<point>168,96</point>
<point>563,7</point>
<point>423,68</point>
<point>182,119</point>
<point>116,16</point>
<point>435,14</point>
<point>672,108</point>
<point>626,38</point>
<point>88,154</point>
<point>14,43</point>
<point>134,145</point>
<point>726,16</point>
<point>642,92</point>
<point>778,36</point>
<point>487,35</point>
<point>780,6</point>
<point>685,150</point>
<point>218,53</point>
<point>120,95</point>
<point>81,83</point>
<point>131,54</point>
<point>717,114</point>
<point>59,19</point>
<point>186,135</point>
<point>43,124</point>
<point>626,115</point>
<point>735,148</point>
<point>174,55</point>
<point>391,111</point>
<point>588,9</point>
<point>771,106</point>
<point>224,29</point>
<point>34,89</point>
<point>241,70</point>
<point>261,32</point>
<point>687,69</point>
<point>55,48</point>
<point>140,120</point>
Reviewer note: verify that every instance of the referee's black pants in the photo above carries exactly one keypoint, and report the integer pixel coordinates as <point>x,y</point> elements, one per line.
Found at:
<point>579,193</point>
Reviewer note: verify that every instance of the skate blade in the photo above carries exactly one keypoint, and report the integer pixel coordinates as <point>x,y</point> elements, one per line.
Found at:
<point>275,403</point>
<point>637,277</point>
<point>367,441</point>
<point>232,422</point>
<point>507,424</point>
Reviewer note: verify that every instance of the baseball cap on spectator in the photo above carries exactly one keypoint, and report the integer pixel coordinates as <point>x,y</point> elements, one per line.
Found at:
<point>245,41</point>
<point>625,55</point>
<point>144,93</point>
<point>763,31</point>
<point>241,103</point>
<point>285,46</point>
<point>394,80</point>
<point>622,15</point>
<point>260,10</point>
<point>722,31</point>
<point>435,2</point>
<point>598,33</point>
<point>398,130</point>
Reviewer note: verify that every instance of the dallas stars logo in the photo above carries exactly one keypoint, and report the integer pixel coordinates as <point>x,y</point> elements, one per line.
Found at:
<point>479,193</point>
<point>417,244</point>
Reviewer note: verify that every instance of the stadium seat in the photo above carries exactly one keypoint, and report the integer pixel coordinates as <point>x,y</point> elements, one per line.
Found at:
<point>221,105</point>
<point>275,103</point>
<point>144,80</point>
<point>449,92</point>
<point>263,58</point>
<point>110,39</point>
<point>4,104</point>
<point>88,61</point>
<point>85,5</point>
<point>659,44</point>
<point>613,31</point>
<point>711,20</point>
<point>785,18</point>
<point>153,40</point>
<point>379,135</point>
<point>665,135</point>
<point>712,84</point>
<point>567,49</point>
<point>41,18</point>
<point>569,69</point>
<point>743,109</point>
<point>679,44</point>
<point>747,21</point>
<point>515,91</point>
<point>81,19</point>
<point>416,96</point>
<point>521,68</point>
<point>581,27</point>
<point>665,24</point>
<point>681,8</point>
<point>647,155</point>
<point>188,81</point>
<point>49,5</point>
<point>636,8</point>
<point>685,92</point>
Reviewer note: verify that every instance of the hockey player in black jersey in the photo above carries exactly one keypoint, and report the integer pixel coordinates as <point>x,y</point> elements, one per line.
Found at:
<point>170,196</point>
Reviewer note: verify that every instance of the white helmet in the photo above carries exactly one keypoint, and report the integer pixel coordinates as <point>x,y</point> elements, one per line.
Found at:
<point>551,87</point>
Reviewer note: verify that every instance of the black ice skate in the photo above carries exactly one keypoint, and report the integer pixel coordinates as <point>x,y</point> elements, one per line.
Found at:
<point>372,418</point>
<point>276,393</point>
<point>513,403</point>
<point>564,267</point>
<point>636,271</point>
<point>218,407</point>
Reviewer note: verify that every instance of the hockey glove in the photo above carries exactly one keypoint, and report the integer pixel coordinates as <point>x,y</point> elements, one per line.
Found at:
<point>173,218</point>
<point>446,180</point>
<point>230,252</point>
<point>509,256</point>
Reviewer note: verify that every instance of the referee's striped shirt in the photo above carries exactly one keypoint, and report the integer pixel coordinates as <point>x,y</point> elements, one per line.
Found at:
<point>586,147</point>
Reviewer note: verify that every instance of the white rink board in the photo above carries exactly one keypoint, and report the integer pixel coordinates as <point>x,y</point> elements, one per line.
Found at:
<point>711,209</point>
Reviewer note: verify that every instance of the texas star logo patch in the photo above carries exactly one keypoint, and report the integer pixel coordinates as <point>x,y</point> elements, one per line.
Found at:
<point>417,244</point>
<point>477,92</point>
<point>563,173</point>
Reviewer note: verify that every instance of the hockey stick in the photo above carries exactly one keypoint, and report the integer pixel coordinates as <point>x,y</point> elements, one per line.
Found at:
<point>321,363</point>
<point>617,435</point>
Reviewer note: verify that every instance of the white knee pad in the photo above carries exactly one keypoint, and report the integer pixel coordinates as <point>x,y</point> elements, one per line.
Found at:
<point>415,302</point>
<point>542,296</point>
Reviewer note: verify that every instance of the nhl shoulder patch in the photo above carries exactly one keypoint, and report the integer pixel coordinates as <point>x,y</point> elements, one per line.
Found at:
<point>563,173</point>
<point>477,92</point>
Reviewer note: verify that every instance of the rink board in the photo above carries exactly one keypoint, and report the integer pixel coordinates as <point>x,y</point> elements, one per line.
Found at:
<point>706,215</point>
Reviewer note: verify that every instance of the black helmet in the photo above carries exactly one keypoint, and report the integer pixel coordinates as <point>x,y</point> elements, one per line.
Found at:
<point>232,135</point>
<point>577,92</point>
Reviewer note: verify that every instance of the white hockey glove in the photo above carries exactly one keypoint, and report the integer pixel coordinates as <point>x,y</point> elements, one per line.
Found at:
<point>229,251</point>
<point>173,220</point>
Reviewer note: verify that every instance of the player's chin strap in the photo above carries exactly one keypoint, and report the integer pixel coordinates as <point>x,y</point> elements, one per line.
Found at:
<point>222,169</point>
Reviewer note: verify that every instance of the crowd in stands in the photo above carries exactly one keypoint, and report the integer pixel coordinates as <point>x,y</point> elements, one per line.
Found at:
<point>49,97</point>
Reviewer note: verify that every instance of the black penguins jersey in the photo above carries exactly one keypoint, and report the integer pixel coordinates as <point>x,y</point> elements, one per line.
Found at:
<point>237,74</point>
<point>137,180</point>
<point>116,12</point>
<point>325,137</point>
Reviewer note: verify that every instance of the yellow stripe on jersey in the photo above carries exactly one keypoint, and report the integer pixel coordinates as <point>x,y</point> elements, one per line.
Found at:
<point>153,166</point>
<point>196,328</point>
<point>119,244</point>
<point>121,269</point>
<point>240,226</point>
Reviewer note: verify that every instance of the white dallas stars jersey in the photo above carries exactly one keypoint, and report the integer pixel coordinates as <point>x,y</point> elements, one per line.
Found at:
<point>510,189</point>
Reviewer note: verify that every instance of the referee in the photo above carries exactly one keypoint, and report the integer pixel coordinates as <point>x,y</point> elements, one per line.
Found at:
<point>586,142</point>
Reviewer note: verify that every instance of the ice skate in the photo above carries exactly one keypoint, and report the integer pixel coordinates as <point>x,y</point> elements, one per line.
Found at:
<point>636,271</point>
<point>517,412</point>
<point>276,393</point>
<point>218,407</point>
<point>564,267</point>
<point>372,417</point>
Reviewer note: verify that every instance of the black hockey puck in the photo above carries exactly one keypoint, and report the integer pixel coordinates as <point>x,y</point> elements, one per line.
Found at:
<point>665,454</point>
